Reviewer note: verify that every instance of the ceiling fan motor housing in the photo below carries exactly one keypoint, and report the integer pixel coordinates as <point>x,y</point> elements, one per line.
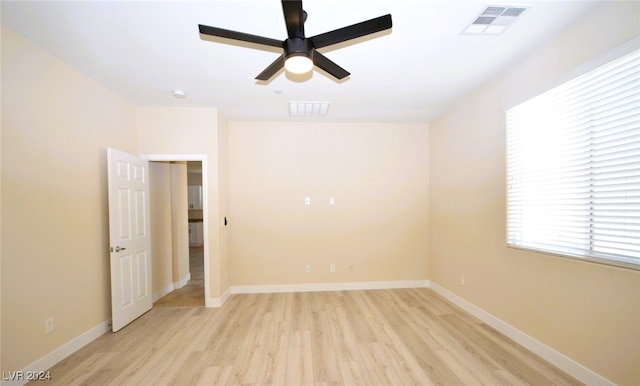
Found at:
<point>298,47</point>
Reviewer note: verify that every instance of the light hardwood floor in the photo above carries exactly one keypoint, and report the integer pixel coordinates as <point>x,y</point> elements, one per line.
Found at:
<point>378,337</point>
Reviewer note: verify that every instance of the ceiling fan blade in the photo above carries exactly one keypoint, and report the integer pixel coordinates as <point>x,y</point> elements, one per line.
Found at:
<point>241,36</point>
<point>329,66</point>
<point>294,18</point>
<point>353,31</point>
<point>272,69</point>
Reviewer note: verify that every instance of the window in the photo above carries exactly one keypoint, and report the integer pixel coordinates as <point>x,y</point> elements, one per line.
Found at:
<point>573,167</point>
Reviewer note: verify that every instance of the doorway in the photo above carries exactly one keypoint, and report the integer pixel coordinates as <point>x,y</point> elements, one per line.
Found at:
<point>191,222</point>
<point>191,292</point>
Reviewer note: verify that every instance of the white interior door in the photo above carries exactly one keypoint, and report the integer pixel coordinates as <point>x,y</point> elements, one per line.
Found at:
<point>129,236</point>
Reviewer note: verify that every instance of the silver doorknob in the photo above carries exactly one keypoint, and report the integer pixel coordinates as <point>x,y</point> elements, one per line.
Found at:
<point>117,249</point>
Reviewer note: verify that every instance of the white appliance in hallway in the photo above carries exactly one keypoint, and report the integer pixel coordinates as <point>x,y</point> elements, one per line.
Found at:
<point>196,233</point>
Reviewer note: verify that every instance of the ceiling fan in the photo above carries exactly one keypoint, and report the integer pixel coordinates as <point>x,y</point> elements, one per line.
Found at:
<point>300,53</point>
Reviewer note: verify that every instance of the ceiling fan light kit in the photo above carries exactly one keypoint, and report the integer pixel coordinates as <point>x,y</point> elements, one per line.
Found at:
<point>298,64</point>
<point>299,52</point>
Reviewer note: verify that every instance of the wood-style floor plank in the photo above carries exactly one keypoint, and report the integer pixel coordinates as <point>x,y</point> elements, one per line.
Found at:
<point>381,337</point>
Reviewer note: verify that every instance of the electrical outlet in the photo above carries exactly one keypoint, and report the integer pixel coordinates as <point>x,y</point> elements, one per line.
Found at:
<point>462,280</point>
<point>307,269</point>
<point>48,326</point>
<point>332,268</point>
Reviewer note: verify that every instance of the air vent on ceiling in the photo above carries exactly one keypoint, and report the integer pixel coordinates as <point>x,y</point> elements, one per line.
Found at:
<point>494,20</point>
<point>308,109</point>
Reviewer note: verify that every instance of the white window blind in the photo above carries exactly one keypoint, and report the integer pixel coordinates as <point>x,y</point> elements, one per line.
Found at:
<point>573,167</point>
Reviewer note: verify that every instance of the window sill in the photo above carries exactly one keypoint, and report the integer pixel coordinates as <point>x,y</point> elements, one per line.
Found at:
<point>595,260</point>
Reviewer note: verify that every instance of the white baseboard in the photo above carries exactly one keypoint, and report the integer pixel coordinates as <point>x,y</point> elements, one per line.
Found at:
<point>314,287</point>
<point>173,286</point>
<point>182,282</point>
<point>157,295</point>
<point>217,302</point>
<point>225,296</point>
<point>552,356</point>
<point>55,356</point>
<point>371,285</point>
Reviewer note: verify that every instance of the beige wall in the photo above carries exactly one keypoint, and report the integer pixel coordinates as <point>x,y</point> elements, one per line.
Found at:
<point>179,221</point>
<point>192,131</point>
<point>161,226</point>
<point>56,127</point>
<point>378,174</point>
<point>223,201</point>
<point>586,311</point>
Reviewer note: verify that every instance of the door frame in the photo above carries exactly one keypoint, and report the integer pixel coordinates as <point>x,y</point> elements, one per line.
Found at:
<point>205,205</point>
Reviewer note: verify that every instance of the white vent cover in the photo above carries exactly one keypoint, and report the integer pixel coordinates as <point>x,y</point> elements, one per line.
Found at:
<point>308,109</point>
<point>494,20</point>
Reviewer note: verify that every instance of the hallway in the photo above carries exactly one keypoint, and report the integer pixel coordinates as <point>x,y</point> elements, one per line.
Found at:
<point>192,294</point>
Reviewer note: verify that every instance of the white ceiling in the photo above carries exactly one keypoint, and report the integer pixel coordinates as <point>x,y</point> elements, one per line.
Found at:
<point>142,50</point>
